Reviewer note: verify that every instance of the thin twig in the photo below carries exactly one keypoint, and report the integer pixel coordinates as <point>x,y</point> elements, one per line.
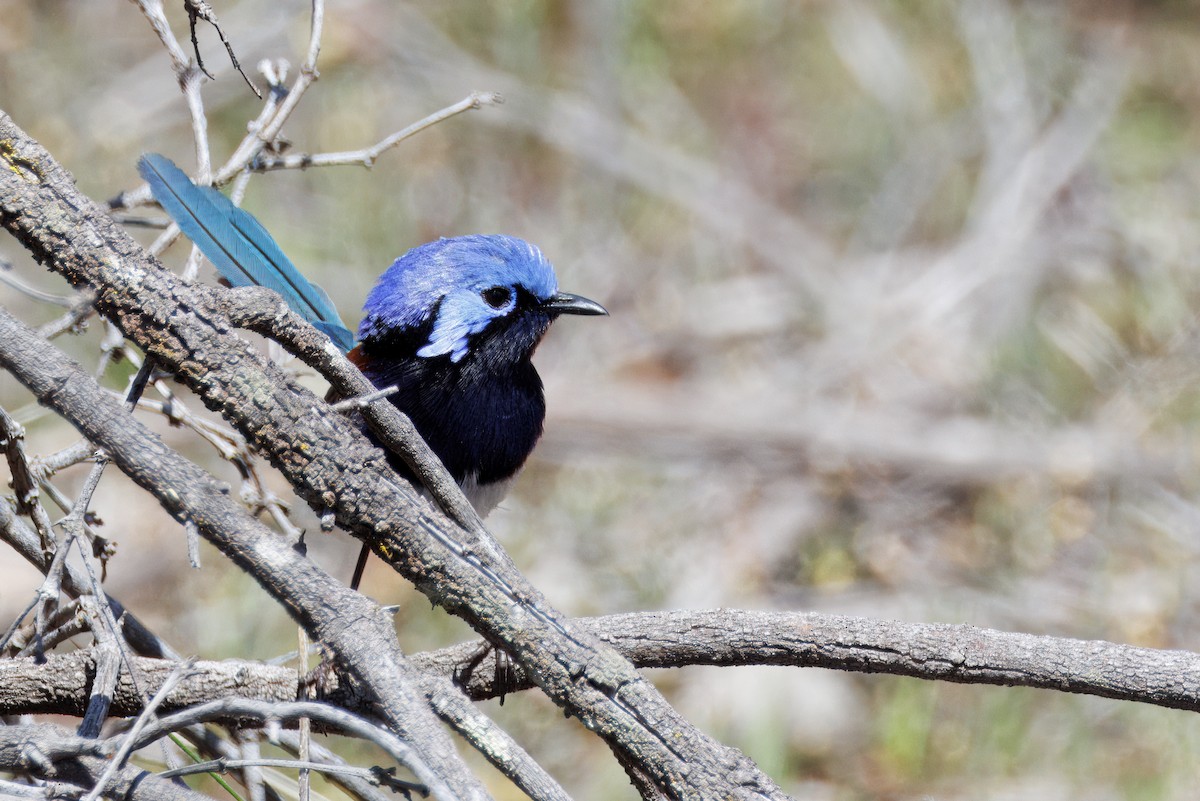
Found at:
<point>21,537</point>
<point>74,320</point>
<point>68,621</point>
<point>40,295</point>
<point>16,790</point>
<point>12,438</point>
<point>266,134</point>
<point>363,401</point>
<point>110,347</point>
<point>367,156</point>
<point>376,777</point>
<point>304,777</point>
<point>198,9</point>
<point>364,790</point>
<point>249,748</point>
<point>16,624</point>
<point>268,712</point>
<point>131,738</point>
<point>44,467</point>
<point>189,76</point>
<point>495,744</point>
<point>192,533</point>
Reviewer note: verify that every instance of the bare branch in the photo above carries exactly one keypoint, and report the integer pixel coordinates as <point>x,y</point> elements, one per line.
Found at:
<point>362,402</point>
<point>189,75</point>
<point>375,777</point>
<point>495,744</point>
<point>367,156</point>
<point>364,790</point>
<point>723,637</point>
<point>60,684</point>
<point>331,464</point>
<point>12,438</point>
<point>44,467</point>
<point>131,737</point>
<point>268,130</point>
<point>49,754</point>
<point>24,541</point>
<point>40,295</point>
<point>348,623</point>
<point>932,651</point>
<point>15,790</point>
<point>108,672</point>
<point>281,712</point>
<point>198,9</point>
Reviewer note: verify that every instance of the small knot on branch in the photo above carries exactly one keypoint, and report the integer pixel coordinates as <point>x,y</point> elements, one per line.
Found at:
<point>481,99</point>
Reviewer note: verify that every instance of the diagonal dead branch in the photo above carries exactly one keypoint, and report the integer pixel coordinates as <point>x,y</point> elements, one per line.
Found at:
<point>347,622</point>
<point>332,465</point>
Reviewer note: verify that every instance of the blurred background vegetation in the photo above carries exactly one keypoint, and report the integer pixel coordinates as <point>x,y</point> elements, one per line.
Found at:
<point>902,326</point>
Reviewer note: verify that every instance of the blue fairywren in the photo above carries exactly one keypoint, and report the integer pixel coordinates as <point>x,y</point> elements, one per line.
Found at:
<point>453,324</point>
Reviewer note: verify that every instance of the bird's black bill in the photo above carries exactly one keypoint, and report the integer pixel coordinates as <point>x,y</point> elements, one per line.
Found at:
<point>566,303</point>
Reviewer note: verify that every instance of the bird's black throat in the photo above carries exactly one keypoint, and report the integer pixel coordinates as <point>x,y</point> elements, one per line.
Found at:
<point>481,415</point>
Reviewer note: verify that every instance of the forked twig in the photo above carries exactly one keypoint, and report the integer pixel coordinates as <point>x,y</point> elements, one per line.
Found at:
<point>198,9</point>
<point>367,156</point>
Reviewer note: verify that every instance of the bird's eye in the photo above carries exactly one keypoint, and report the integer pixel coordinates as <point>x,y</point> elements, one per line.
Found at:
<point>497,296</point>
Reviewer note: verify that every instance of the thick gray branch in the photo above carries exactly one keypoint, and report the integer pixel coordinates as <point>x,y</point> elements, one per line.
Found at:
<point>62,684</point>
<point>932,651</point>
<point>331,465</point>
<point>354,628</point>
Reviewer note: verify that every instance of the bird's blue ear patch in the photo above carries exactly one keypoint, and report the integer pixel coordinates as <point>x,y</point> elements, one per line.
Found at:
<point>448,278</point>
<point>460,316</point>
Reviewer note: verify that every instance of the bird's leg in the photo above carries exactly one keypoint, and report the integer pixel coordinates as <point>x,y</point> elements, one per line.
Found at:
<point>505,676</point>
<point>360,566</point>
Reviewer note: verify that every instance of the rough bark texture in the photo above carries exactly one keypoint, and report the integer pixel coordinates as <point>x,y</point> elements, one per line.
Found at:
<point>931,651</point>
<point>356,630</point>
<point>333,466</point>
<point>73,764</point>
<point>62,684</point>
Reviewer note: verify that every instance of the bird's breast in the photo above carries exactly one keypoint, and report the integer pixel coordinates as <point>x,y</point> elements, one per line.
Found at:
<point>482,423</point>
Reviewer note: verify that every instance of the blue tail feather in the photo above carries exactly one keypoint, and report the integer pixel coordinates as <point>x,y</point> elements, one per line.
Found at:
<point>238,245</point>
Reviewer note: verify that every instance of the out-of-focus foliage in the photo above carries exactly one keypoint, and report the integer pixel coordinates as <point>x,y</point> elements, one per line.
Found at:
<point>901,326</point>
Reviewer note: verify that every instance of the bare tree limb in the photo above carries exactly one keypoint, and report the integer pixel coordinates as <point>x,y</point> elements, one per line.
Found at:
<point>373,777</point>
<point>189,75</point>
<point>333,466</point>
<point>348,623</point>
<point>364,790</point>
<point>24,541</point>
<point>61,685</point>
<point>129,740</point>
<point>366,156</point>
<point>12,438</point>
<point>48,753</point>
<point>495,744</point>
<point>931,651</point>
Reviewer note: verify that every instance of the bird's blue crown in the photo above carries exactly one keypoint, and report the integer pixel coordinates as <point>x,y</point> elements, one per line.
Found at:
<point>451,277</point>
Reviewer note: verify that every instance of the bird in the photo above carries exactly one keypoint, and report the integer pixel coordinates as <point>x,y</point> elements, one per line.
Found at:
<point>452,324</point>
